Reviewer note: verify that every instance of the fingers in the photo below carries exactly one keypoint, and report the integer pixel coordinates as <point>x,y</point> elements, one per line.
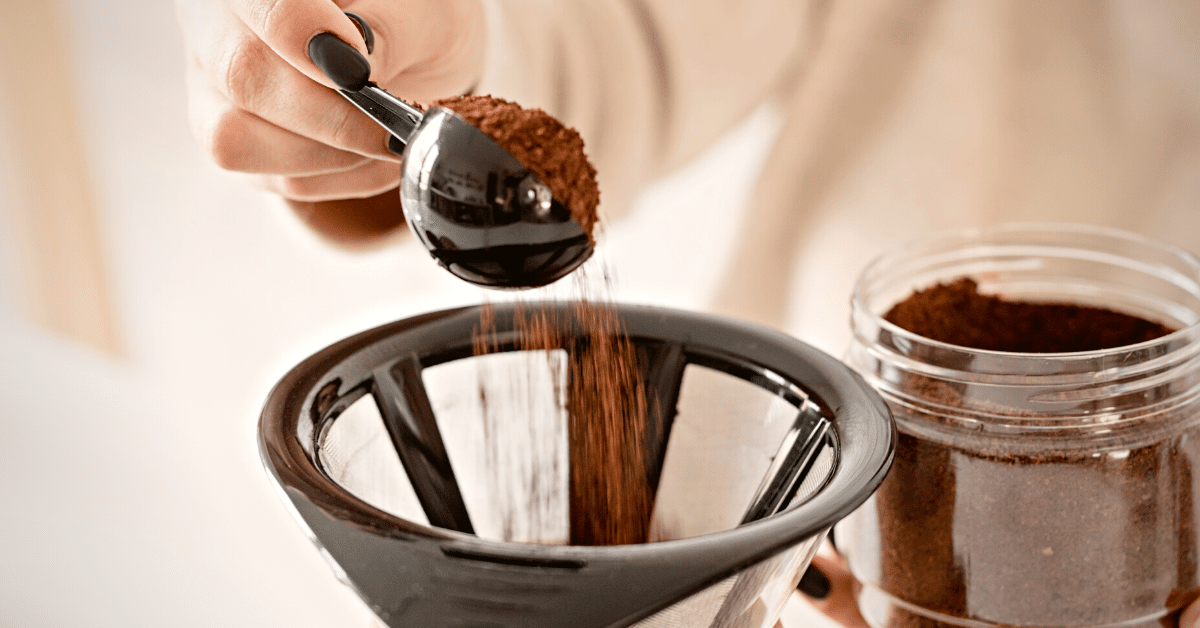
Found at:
<point>255,113</point>
<point>286,26</point>
<point>1190,618</point>
<point>231,70</point>
<point>239,140</point>
<point>259,105</point>
<point>369,179</point>
<point>830,588</point>
<point>425,49</point>
<point>354,223</point>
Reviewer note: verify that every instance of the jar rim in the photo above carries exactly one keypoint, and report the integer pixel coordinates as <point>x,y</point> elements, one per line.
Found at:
<point>1015,394</point>
<point>874,271</point>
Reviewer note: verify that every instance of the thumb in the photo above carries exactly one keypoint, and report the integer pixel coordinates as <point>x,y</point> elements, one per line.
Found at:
<point>831,590</point>
<point>1190,618</point>
<point>288,25</point>
<point>424,49</point>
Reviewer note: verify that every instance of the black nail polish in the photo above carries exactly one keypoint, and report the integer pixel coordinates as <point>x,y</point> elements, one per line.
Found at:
<point>395,146</point>
<point>344,65</point>
<point>363,29</point>
<point>814,584</point>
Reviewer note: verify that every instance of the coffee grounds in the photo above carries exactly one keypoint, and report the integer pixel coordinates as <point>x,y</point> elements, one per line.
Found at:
<point>985,527</point>
<point>610,497</point>
<point>956,313</point>
<point>610,500</point>
<point>553,151</point>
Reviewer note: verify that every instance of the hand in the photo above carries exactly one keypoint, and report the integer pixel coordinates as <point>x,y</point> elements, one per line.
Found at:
<point>830,588</point>
<point>835,596</point>
<point>259,106</point>
<point>1190,618</point>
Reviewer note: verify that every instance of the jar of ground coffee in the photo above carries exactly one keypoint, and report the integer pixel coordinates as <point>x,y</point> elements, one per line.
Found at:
<point>1045,381</point>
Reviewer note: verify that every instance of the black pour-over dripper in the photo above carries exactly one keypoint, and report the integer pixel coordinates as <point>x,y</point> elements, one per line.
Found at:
<point>832,453</point>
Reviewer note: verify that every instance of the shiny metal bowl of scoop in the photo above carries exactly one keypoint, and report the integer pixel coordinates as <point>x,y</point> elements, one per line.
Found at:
<point>482,214</point>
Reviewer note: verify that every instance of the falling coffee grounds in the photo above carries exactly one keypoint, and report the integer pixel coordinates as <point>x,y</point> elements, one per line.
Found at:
<point>553,151</point>
<point>995,529</point>
<point>609,496</point>
<point>610,499</point>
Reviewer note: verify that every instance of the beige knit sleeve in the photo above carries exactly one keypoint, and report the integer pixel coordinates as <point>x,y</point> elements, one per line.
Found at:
<point>648,83</point>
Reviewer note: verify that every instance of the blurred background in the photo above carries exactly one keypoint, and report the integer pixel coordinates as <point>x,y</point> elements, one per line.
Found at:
<point>148,302</point>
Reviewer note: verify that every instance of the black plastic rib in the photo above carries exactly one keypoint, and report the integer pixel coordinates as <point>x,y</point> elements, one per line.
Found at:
<point>400,395</point>
<point>804,441</point>
<point>663,365</point>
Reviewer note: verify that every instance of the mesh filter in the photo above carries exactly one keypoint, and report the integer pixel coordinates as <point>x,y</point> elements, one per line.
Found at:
<point>438,481</point>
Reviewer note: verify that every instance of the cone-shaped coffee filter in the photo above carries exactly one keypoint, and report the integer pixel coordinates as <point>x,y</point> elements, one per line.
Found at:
<point>436,481</point>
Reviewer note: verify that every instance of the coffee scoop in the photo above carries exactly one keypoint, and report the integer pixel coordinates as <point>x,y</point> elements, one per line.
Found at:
<point>482,214</point>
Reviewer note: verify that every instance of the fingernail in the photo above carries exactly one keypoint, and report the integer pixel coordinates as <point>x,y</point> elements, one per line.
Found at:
<point>338,60</point>
<point>363,29</point>
<point>395,146</point>
<point>814,584</point>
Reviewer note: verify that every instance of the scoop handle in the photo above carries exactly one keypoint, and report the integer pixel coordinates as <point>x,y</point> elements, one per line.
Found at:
<point>396,116</point>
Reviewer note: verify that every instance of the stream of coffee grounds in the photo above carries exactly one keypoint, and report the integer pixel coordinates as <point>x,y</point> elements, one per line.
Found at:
<point>610,500</point>
<point>609,495</point>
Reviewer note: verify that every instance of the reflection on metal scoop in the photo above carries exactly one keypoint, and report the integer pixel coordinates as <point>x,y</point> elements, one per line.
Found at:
<point>486,217</point>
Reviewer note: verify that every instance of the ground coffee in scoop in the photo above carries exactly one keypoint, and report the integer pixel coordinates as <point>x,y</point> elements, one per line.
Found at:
<point>553,151</point>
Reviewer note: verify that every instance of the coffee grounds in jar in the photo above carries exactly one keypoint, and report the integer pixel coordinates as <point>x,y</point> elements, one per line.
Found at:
<point>1069,531</point>
<point>956,313</point>
<point>553,151</point>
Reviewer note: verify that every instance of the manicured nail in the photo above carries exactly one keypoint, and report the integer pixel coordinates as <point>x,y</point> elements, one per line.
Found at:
<point>395,146</point>
<point>338,60</point>
<point>814,584</point>
<point>363,29</point>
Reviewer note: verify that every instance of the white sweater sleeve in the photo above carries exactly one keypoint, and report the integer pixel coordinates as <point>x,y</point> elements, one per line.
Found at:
<point>648,83</point>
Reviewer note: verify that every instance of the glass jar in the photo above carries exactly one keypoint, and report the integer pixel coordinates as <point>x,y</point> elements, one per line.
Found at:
<point>1033,489</point>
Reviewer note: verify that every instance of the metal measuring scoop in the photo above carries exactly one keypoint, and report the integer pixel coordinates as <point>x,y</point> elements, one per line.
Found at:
<point>483,215</point>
